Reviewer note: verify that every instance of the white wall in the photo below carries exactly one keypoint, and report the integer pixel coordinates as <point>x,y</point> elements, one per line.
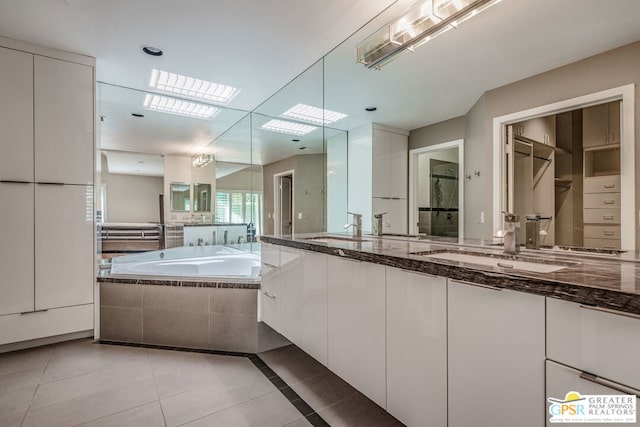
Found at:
<point>337,176</point>
<point>360,151</point>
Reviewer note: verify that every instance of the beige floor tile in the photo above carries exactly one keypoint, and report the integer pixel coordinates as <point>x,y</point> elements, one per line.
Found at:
<point>127,371</point>
<point>15,402</point>
<point>25,359</point>
<point>94,406</point>
<point>323,390</point>
<point>149,415</point>
<point>223,394</point>
<point>302,422</point>
<point>357,410</point>
<point>12,420</point>
<point>21,379</point>
<point>293,369</point>
<point>271,410</point>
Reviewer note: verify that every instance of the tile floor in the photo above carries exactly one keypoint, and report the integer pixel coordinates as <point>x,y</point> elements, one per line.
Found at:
<point>89,384</point>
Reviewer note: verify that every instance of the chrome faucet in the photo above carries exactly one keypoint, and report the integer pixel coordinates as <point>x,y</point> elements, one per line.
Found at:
<point>357,225</point>
<point>510,233</point>
<point>200,241</point>
<point>378,224</point>
<point>240,239</point>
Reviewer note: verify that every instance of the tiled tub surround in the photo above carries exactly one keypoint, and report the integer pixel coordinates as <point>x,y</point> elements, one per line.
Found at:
<point>607,281</point>
<point>206,315</point>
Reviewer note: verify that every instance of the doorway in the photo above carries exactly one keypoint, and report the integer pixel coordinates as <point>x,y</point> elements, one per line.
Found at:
<point>283,203</point>
<point>436,196</point>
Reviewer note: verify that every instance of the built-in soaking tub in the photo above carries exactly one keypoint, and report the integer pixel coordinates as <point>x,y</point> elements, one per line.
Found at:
<point>202,297</point>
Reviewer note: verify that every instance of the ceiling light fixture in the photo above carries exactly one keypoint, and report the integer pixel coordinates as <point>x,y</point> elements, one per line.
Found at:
<point>153,51</point>
<point>314,115</point>
<point>424,21</point>
<point>202,160</point>
<point>290,128</point>
<point>191,87</point>
<point>137,115</point>
<point>371,109</point>
<point>179,107</point>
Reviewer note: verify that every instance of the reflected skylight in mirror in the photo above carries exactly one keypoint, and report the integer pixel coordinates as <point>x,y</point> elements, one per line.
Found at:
<point>192,87</point>
<point>179,107</point>
<point>290,128</point>
<point>315,115</point>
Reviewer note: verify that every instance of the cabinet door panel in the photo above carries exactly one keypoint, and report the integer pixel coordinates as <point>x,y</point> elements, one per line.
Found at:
<point>64,252</point>
<point>614,122</point>
<point>16,115</point>
<point>399,164</point>
<point>291,288</point>
<point>562,379</point>
<point>356,313</point>
<point>416,348</point>
<point>397,216</point>
<point>16,252</point>
<point>63,109</point>
<point>314,306</point>
<point>496,346</point>
<point>380,169</point>
<point>595,125</point>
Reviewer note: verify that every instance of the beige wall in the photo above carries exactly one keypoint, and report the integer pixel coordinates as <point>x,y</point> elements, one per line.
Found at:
<point>308,191</point>
<point>611,69</point>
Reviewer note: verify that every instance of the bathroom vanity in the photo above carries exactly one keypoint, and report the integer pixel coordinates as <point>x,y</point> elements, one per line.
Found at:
<point>457,335</point>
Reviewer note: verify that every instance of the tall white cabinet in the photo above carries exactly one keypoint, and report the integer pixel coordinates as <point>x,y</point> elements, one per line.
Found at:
<point>46,184</point>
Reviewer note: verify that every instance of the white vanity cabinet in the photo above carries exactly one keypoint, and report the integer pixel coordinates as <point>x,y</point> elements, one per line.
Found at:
<point>16,259</point>
<point>603,343</point>
<point>270,285</point>
<point>16,115</point>
<point>291,294</point>
<point>496,357</point>
<point>416,348</point>
<point>356,325</point>
<point>64,114</point>
<point>313,322</point>
<point>562,379</point>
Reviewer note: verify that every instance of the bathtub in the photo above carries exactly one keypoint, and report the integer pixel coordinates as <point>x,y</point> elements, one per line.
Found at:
<point>215,261</point>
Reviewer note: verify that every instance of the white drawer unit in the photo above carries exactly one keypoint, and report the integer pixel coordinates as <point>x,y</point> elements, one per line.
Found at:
<point>601,200</point>
<point>602,232</point>
<point>314,305</point>
<point>270,286</point>
<point>601,216</point>
<point>602,243</point>
<point>291,294</point>
<point>602,184</point>
<point>563,379</point>
<point>594,340</point>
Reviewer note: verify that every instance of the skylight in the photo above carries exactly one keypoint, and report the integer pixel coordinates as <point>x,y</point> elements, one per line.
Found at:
<point>315,115</point>
<point>191,87</point>
<point>291,128</point>
<point>179,107</point>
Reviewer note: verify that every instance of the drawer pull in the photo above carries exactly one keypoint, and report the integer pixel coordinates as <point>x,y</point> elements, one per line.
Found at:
<point>597,380</point>
<point>35,311</point>
<point>608,201</point>
<point>269,265</point>
<point>610,311</point>
<point>607,217</point>
<point>269,295</point>
<point>609,233</point>
<point>9,181</point>
<point>608,185</point>
<point>479,285</point>
<point>500,264</point>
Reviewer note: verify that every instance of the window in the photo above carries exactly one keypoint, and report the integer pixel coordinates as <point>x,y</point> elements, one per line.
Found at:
<point>238,207</point>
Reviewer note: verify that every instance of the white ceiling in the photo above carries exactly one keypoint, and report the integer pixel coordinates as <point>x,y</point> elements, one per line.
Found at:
<point>259,46</point>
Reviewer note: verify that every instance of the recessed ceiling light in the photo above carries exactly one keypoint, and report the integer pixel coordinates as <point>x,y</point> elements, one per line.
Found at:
<point>295,140</point>
<point>370,109</point>
<point>302,148</point>
<point>179,107</point>
<point>191,87</point>
<point>137,115</point>
<point>315,115</point>
<point>150,50</point>
<point>290,128</point>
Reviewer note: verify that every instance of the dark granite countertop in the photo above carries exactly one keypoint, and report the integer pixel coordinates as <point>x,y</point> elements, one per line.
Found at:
<point>610,281</point>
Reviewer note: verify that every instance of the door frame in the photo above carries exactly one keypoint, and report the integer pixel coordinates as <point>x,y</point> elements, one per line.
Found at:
<point>626,94</point>
<point>277,226</point>
<point>413,182</point>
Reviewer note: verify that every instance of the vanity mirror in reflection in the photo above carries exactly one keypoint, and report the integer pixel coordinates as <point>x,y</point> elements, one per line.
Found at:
<point>201,197</point>
<point>180,197</point>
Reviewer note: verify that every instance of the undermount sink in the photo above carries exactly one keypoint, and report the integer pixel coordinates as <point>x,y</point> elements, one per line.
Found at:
<point>488,261</point>
<point>335,239</point>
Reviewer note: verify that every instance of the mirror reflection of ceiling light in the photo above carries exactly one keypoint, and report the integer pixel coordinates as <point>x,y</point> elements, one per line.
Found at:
<point>191,87</point>
<point>179,107</point>
<point>202,160</point>
<point>315,115</point>
<point>290,128</point>
<point>424,21</point>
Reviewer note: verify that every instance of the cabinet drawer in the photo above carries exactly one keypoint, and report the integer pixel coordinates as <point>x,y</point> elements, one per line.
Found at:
<point>602,200</point>
<point>602,216</point>
<point>270,309</point>
<point>602,243</point>
<point>270,254</point>
<point>598,342</point>
<point>562,379</point>
<point>602,184</point>
<point>602,232</point>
